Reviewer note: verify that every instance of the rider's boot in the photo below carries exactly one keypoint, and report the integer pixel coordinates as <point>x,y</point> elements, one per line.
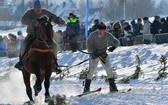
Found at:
<point>56,68</point>
<point>19,64</point>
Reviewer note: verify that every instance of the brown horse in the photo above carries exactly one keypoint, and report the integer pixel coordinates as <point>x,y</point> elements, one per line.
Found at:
<point>39,60</point>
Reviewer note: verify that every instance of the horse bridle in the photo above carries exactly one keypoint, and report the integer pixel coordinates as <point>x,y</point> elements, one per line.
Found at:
<point>40,31</point>
<point>43,41</point>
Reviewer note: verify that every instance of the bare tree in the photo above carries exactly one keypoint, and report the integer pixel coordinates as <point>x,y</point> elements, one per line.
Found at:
<point>139,9</point>
<point>129,9</point>
<point>82,7</point>
<point>111,9</point>
<point>162,7</point>
<point>123,9</point>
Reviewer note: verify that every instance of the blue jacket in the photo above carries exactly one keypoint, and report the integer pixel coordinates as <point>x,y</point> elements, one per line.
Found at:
<point>73,27</point>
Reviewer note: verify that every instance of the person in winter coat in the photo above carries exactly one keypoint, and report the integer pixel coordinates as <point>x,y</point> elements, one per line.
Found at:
<point>73,30</point>
<point>30,19</point>
<point>97,44</point>
<point>117,30</point>
<point>19,39</point>
<point>128,34</point>
<point>163,25</point>
<point>95,26</point>
<point>138,26</point>
<point>155,26</point>
<point>146,27</point>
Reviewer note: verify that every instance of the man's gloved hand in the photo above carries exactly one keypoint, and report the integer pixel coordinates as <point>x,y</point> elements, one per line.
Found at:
<point>95,54</point>
<point>111,49</point>
<point>61,21</point>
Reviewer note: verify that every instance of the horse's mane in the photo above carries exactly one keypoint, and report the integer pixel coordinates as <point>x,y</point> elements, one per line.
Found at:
<point>43,18</point>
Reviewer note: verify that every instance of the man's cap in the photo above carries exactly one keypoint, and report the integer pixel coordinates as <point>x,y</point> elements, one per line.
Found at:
<point>37,3</point>
<point>19,32</point>
<point>157,17</point>
<point>145,18</point>
<point>102,26</point>
<point>71,14</point>
<point>96,21</point>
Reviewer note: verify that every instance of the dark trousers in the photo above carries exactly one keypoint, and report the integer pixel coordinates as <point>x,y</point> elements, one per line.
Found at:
<point>73,42</point>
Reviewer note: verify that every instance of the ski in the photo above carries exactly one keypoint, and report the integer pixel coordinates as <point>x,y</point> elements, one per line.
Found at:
<point>99,89</point>
<point>86,93</point>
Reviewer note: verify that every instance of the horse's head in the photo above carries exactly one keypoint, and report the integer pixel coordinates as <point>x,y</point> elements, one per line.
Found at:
<point>45,30</point>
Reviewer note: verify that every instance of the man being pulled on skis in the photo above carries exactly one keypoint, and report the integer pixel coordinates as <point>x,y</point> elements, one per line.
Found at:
<point>97,44</point>
<point>29,19</point>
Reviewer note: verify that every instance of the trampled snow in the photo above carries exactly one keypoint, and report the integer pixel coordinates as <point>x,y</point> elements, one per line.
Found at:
<point>144,91</point>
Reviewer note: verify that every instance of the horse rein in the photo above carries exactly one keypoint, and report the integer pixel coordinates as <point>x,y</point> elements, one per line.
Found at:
<point>40,50</point>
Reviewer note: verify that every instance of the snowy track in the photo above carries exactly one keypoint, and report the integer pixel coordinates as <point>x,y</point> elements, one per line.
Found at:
<point>144,91</point>
<point>13,91</point>
<point>12,87</point>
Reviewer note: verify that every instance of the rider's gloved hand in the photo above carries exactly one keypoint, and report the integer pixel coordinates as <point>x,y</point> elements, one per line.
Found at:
<point>61,21</point>
<point>95,54</point>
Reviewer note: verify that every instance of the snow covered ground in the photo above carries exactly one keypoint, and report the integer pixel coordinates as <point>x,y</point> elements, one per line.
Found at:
<point>144,91</point>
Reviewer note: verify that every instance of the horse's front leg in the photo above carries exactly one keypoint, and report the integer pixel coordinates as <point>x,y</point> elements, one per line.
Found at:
<point>47,85</point>
<point>26,77</point>
<point>37,86</point>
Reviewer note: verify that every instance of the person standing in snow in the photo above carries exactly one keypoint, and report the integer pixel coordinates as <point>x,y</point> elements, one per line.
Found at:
<point>30,19</point>
<point>146,26</point>
<point>95,26</point>
<point>73,30</point>
<point>19,39</point>
<point>97,44</point>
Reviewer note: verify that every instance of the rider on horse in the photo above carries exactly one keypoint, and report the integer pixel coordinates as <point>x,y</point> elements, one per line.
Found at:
<point>29,19</point>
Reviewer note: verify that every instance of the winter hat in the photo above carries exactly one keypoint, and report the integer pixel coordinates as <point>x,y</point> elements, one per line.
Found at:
<point>96,21</point>
<point>102,26</point>
<point>145,18</point>
<point>157,17</point>
<point>71,14</point>
<point>133,22</point>
<point>163,20</point>
<point>19,32</point>
<point>37,3</point>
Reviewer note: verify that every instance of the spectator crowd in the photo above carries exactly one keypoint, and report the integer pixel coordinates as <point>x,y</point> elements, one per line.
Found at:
<point>73,37</point>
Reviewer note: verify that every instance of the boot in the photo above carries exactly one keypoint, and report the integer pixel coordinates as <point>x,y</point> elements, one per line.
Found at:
<point>19,65</point>
<point>56,69</point>
<point>87,85</point>
<point>113,87</point>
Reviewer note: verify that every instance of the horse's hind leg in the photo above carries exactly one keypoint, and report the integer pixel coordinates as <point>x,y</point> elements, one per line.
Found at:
<point>47,85</point>
<point>26,77</point>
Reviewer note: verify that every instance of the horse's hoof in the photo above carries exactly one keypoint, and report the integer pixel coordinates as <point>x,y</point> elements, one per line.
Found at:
<point>47,99</point>
<point>38,88</point>
<point>36,91</point>
<point>28,103</point>
<point>58,71</point>
<point>36,94</point>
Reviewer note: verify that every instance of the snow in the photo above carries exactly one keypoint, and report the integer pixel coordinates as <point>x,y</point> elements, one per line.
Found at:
<point>144,91</point>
